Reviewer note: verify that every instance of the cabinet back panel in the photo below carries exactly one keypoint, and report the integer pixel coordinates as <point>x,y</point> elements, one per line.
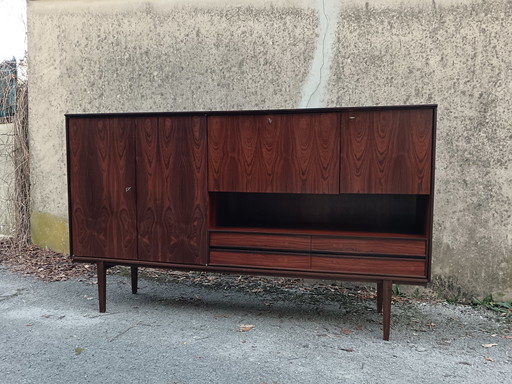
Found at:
<point>348,212</point>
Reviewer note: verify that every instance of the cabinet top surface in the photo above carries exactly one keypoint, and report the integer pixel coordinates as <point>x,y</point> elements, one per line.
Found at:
<point>254,112</point>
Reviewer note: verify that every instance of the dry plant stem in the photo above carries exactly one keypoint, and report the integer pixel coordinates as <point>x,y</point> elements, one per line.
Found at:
<point>21,168</point>
<point>16,150</point>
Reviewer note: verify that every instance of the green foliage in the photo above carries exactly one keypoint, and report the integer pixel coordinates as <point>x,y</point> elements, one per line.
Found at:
<point>397,291</point>
<point>78,351</point>
<point>488,302</point>
<point>453,299</point>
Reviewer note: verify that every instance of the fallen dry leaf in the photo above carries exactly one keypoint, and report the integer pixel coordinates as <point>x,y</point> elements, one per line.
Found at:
<point>507,337</point>
<point>345,331</point>
<point>42,263</point>
<point>489,345</point>
<point>221,316</point>
<point>489,359</point>
<point>246,327</point>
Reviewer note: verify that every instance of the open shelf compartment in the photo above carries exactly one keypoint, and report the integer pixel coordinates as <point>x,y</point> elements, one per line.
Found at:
<point>370,215</point>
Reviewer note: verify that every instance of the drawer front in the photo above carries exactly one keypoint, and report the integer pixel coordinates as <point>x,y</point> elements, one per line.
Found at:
<point>263,260</point>
<point>370,266</point>
<point>399,247</point>
<point>260,241</point>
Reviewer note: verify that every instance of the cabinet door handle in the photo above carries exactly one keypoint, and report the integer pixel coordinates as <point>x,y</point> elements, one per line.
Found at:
<point>127,189</point>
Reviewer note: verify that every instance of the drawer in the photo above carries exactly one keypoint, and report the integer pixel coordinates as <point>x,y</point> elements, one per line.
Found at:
<point>370,266</point>
<point>260,241</point>
<point>399,247</point>
<point>263,260</point>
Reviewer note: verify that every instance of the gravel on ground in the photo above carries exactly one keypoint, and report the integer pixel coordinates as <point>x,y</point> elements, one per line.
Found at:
<point>211,328</point>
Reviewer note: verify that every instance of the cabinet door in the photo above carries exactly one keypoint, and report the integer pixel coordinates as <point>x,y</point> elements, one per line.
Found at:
<point>102,187</point>
<point>279,153</point>
<point>386,151</point>
<point>172,198</point>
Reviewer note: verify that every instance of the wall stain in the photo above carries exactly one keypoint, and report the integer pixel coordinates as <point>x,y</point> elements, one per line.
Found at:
<point>50,231</point>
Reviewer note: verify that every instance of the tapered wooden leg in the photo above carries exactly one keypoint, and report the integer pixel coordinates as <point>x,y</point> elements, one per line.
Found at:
<point>386,307</point>
<point>135,278</point>
<point>379,296</point>
<point>102,285</point>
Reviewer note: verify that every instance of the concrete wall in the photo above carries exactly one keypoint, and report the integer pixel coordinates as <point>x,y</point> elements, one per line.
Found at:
<point>120,56</point>
<point>7,218</point>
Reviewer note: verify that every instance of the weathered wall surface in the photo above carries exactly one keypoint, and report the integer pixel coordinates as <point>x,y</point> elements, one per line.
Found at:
<point>6,180</point>
<point>458,55</point>
<point>113,56</point>
<point>110,56</point>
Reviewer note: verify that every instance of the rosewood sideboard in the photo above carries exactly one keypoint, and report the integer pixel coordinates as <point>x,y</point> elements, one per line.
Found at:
<point>340,193</point>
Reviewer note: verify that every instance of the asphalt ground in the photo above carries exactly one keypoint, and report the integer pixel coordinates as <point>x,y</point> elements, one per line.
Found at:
<point>216,330</point>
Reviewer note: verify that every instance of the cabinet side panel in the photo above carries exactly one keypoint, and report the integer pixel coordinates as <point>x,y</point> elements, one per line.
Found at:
<point>386,151</point>
<point>172,197</point>
<point>102,188</point>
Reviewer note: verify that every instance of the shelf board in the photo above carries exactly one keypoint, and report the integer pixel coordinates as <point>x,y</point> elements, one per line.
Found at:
<point>319,232</point>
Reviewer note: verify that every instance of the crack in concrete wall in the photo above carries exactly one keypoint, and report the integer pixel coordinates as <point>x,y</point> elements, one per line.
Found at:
<point>315,86</point>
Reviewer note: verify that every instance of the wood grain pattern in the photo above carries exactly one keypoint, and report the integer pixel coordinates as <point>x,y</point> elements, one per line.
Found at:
<point>172,200</point>
<point>260,241</point>
<point>320,232</point>
<point>386,151</point>
<point>366,246</point>
<point>274,153</point>
<point>263,260</point>
<point>102,187</point>
<point>370,266</point>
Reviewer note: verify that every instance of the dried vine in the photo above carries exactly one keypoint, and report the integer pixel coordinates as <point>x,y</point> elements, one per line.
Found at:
<point>14,147</point>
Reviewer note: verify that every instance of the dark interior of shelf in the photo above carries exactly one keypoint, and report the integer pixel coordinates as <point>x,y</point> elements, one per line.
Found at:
<point>345,212</point>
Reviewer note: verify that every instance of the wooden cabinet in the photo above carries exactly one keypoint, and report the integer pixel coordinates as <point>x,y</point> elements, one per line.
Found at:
<point>344,193</point>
